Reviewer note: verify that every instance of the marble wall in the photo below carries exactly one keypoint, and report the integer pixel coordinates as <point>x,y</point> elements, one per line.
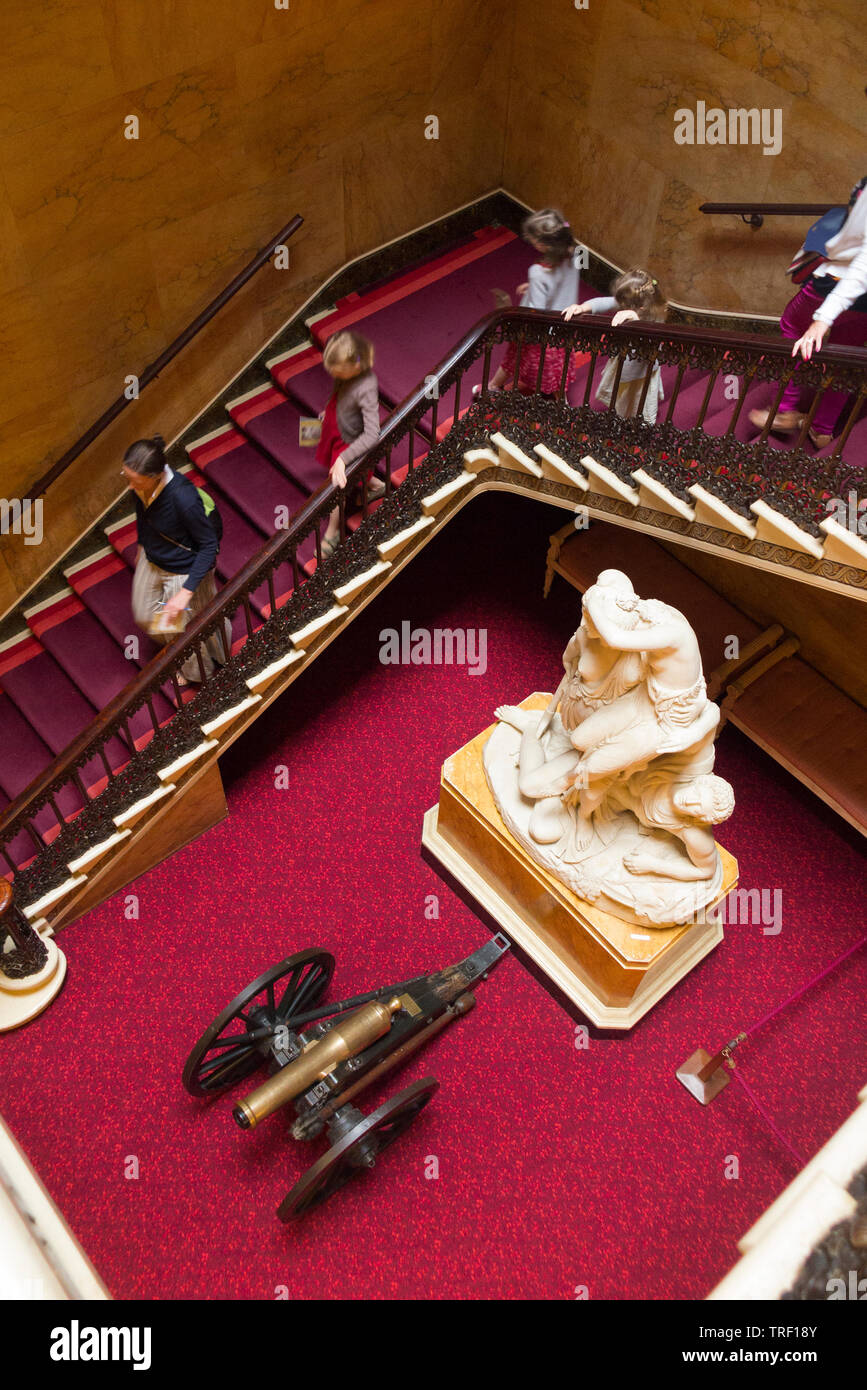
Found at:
<point>591,128</point>
<point>247,114</point>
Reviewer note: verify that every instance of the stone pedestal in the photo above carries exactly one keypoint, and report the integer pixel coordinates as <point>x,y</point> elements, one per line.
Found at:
<point>613,970</point>
<point>22,1000</point>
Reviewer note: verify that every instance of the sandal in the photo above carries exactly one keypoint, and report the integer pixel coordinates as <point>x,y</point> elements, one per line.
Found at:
<point>819,441</point>
<point>788,423</point>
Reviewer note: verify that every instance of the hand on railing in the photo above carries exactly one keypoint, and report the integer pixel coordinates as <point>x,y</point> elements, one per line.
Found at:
<point>814,337</point>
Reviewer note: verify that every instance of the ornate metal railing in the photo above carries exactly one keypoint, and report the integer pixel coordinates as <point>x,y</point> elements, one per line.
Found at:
<point>152,371</point>
<point>796,482</point>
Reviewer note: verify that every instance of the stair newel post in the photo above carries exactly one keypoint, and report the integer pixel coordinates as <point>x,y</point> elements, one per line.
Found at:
<point>646,387</point>
<point>589,387</point>
<point>486,370</point>
<point>676,389</point>
<point>850,422</point>
<point>82,789</point>
<point>248,618</point>
<point>616,386</point>
<point>766,428</point>
<point>518,355</point>
<point>567,358</point>
<point>749,377</point>
<point>37,843</point>
<point>32,969</point>
<point>224,641</point>
<point>543,349</point>
<point>200,663</point>
<point>713,373</point>
<point>808,418</point>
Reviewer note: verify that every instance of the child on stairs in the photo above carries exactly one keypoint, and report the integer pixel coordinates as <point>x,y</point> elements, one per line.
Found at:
<point>552,284</point>
<point>350,421</point>
<point>634,295</point>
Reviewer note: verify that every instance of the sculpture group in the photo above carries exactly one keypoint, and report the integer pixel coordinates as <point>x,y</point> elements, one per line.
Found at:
<point>612,787</point>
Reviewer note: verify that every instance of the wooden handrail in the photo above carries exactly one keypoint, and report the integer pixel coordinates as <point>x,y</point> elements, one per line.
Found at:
<point>172,657</point>
<point>151,372</point>
<point>755,213</point>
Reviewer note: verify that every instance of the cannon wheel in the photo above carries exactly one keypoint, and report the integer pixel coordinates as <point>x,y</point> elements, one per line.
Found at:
<point>357,1150</point>
<point>227,1052</point>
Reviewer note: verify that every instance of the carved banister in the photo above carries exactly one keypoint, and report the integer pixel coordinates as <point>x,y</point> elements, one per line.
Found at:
<point>29,952</point>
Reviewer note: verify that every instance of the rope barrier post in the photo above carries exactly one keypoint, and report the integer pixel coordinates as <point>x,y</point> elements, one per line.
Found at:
<point>704,1076</point>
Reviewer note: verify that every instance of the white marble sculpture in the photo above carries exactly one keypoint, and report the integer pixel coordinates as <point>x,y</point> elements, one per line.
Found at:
<point>612,787</point>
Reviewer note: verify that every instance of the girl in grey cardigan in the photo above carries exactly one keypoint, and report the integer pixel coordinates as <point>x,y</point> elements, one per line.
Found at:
<point>634,295</point>
<point>350,423</point>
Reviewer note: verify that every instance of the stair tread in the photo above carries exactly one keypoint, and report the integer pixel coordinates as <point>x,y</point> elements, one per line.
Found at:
<point>82,647</point>
<point>49,700</point>
<point>248,479</point>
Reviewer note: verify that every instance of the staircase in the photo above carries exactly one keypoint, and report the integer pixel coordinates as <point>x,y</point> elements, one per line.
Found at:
<point>107,767</point>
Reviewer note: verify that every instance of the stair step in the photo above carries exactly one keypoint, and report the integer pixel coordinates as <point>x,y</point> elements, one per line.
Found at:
<point>303,379</point>
<point>317,625</point>
<point>354,586</point>
<point>238,471</point>
<point>104,584</point>
<point>52,705</point>
<point>276,668</point>
<point>395,544</point>
<point>84,650</point>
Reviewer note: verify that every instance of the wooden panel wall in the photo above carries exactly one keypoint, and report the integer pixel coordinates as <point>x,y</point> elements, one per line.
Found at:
<point>247,113</point>
<point>591,128</point>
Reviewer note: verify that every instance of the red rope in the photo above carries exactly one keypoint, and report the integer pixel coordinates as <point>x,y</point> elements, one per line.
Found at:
<point>766,1117</point>
<point>809,985</point>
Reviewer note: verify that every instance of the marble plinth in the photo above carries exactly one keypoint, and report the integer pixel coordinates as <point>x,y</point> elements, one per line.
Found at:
<point>613,970</point>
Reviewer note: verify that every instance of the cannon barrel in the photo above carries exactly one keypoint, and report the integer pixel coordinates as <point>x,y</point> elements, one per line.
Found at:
<point>357,1031</point>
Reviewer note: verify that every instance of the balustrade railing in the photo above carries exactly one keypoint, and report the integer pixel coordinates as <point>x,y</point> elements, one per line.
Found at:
<point>422,447</point>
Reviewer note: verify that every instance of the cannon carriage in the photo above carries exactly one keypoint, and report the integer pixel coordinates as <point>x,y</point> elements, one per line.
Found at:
<point>321,1057</point>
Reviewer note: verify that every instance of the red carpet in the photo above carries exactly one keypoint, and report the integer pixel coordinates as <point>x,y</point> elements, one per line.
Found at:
<point>558,1167</point>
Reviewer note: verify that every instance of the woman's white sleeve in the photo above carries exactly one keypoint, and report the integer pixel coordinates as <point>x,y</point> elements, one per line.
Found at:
<point>849,288</point>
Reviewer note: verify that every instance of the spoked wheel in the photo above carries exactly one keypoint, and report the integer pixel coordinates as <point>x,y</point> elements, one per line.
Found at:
<point>357,1149</point>
<point>238,1039</point>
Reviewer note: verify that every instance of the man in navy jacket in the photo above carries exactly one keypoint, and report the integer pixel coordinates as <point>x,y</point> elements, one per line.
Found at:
<point>178,544</point>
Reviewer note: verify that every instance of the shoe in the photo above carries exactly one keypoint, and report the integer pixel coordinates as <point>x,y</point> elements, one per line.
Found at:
<point>329,545</point>
<point>819,441</point>
<point>787,423</point>
<point>375,488</point>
